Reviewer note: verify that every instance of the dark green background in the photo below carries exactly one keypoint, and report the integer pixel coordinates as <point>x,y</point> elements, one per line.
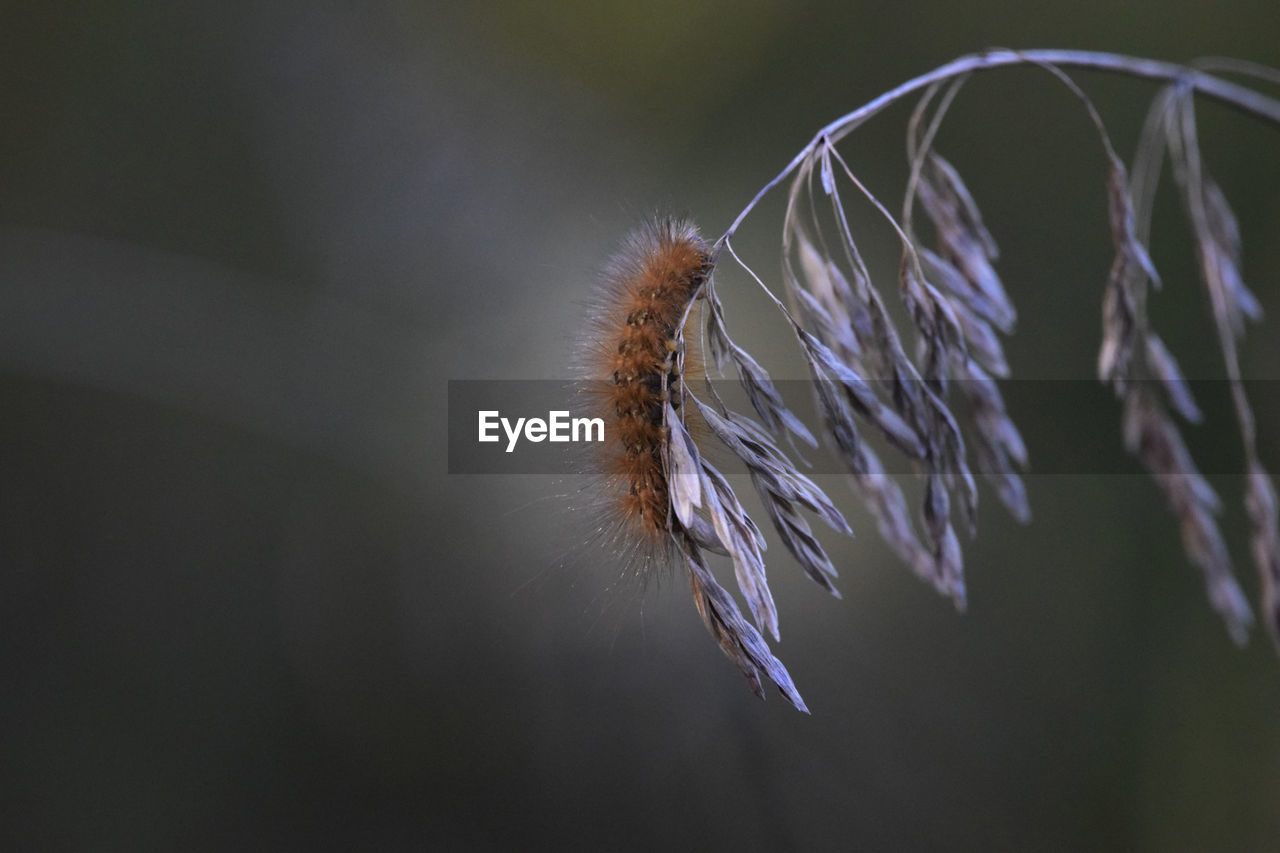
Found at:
<point>243,248</point>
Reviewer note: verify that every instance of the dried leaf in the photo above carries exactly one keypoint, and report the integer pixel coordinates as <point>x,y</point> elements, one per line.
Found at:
<point>1166,369</point>
<point>742,643</point>
<point>682,469</point>
<point>1260,501</point>
<point>859,395</point>
<point>739,535</point>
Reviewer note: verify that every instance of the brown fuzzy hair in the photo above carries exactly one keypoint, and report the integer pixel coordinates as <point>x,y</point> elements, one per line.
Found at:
<point>633,369</point>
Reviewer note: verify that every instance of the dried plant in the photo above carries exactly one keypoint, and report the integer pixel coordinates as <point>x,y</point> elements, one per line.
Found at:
<point>865,376</point>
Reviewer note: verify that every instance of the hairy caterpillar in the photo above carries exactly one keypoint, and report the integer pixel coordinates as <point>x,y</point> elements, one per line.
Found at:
<point>632,356</point>
<point>654,478</point>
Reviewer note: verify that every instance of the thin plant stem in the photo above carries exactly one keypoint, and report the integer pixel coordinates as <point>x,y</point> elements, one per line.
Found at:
<point>1234,95</point>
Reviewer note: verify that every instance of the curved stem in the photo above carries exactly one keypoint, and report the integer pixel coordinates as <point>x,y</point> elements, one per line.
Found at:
<point>1242,98</point>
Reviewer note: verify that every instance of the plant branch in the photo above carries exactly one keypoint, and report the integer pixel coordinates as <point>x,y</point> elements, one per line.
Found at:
<point>1232,94</point>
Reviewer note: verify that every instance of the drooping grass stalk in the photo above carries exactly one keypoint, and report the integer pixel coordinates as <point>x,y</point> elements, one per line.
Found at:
<point>863,374</point>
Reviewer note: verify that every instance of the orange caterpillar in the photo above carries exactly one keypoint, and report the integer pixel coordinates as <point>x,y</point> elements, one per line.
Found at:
<point>637,357</point>
<point>648,287</point>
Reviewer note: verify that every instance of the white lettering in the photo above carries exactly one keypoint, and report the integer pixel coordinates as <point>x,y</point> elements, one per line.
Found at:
<point>559,424</point>
<point>587,425</point>
<point>488,423</point>
<point>512,434</point>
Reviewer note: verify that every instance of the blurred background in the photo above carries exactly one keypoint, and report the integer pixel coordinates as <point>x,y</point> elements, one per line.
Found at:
<point>244,605</point>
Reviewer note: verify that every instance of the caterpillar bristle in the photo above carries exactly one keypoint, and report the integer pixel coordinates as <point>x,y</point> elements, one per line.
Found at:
<point>632,363</point>
<point>638,359</point>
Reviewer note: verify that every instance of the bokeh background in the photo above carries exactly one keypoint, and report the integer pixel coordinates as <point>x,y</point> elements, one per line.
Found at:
<point>243,604</point>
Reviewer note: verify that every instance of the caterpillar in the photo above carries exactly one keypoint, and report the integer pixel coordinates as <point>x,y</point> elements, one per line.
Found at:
<point>654,477</point>
<point>635,358</point>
